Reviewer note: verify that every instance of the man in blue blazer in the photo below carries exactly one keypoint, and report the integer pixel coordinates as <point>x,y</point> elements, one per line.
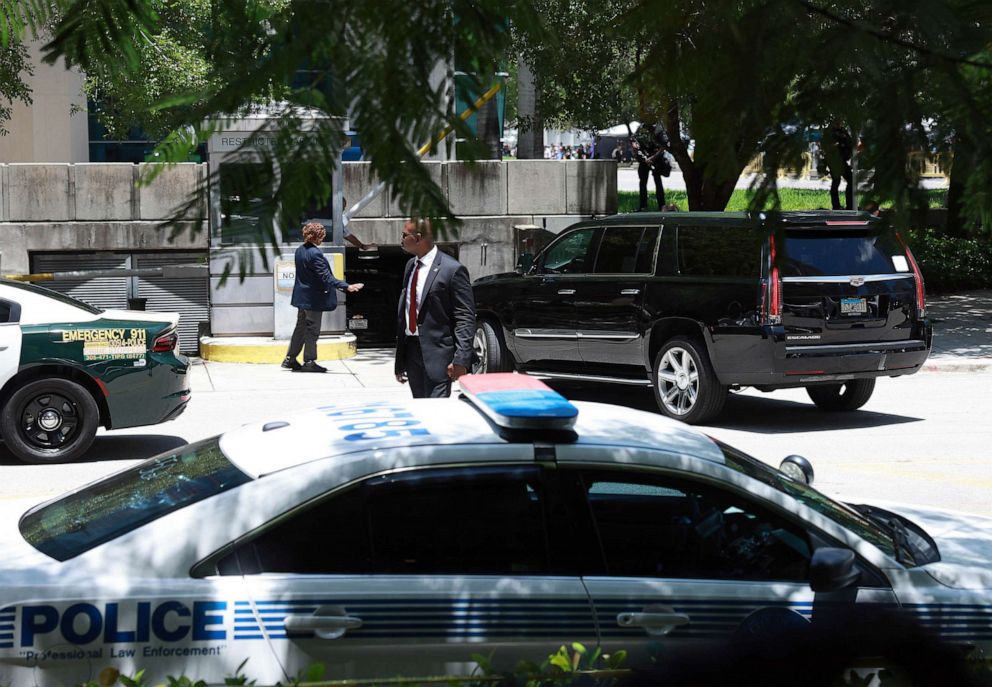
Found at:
<point>314,293</point>
<point>436,320</point>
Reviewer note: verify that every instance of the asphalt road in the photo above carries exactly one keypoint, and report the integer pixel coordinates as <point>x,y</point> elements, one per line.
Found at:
<point>924,439</point>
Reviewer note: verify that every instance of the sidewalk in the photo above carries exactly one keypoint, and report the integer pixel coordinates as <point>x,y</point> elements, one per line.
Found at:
<point>962,332</point>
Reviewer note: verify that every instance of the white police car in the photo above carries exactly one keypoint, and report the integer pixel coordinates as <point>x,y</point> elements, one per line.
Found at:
<point>401,537</point>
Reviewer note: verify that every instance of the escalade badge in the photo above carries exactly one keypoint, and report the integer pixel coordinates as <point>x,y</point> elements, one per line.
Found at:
<point>857,281</point>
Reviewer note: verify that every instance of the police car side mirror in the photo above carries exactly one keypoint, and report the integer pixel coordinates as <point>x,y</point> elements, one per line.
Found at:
<point>525,263</point>
<point>832,569</point>
<point>798,469</point>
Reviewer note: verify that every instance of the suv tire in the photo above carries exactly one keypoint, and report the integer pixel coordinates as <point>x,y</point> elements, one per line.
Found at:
<point>685,385</point>
<point>489,353</point>
<point>846,396</point>
<point>68,409</point>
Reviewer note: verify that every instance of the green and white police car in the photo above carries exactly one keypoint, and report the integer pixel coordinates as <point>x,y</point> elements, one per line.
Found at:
<point>400,537</point>
<point>67,368</point>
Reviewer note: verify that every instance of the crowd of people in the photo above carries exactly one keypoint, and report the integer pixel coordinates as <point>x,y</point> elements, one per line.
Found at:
<point>580,151</point>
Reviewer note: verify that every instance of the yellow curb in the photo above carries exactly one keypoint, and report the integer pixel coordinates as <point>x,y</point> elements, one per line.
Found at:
<point>271,351</point>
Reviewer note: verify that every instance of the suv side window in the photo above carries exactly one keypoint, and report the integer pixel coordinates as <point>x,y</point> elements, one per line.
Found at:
<point>436,521</point>
<point>626,250</point>
<point>658,526</point>
<point>713,251</point>
<point>571,254</point>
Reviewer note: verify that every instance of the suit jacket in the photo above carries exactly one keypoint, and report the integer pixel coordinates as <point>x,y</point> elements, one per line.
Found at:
<point>445,318</point>
<point>315,287</point>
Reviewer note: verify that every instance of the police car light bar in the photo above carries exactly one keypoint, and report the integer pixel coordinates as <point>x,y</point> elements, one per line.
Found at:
<point>517,401</point>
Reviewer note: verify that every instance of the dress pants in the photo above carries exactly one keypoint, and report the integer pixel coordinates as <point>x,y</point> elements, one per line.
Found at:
<point>305,334</point>
<point>416,373</point>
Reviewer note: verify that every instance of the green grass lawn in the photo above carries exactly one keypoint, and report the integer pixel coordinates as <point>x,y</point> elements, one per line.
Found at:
<point>792,199</point>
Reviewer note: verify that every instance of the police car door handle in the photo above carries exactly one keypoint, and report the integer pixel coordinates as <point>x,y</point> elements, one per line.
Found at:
<point>656,620</point>
<point>629,292</point>
<point>325,626</point>
<point>566,292</point>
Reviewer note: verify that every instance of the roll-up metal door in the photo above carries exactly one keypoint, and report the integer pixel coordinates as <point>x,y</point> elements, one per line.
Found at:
<point>102,292</point>
<point>187,296</point>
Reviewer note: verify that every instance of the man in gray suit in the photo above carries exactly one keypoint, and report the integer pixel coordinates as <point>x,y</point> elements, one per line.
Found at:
<point>436,320</point>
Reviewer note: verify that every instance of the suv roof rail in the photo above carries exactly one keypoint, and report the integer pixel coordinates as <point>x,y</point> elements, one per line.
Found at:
<point>824,217</point>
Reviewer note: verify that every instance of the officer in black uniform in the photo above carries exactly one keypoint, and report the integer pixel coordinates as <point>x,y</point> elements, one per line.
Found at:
<point>649,145</point>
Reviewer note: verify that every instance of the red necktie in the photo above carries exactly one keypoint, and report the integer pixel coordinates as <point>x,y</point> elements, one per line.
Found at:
<point>413,299</point>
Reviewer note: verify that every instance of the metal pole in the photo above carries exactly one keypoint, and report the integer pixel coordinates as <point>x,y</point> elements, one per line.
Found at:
<point>168,271</point>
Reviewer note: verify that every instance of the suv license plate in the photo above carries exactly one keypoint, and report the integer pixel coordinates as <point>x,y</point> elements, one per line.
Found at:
<point>853,306</point>
<point>355,323</point>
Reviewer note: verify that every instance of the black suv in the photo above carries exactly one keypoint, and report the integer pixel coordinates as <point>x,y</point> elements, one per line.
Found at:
<point>694,304</point>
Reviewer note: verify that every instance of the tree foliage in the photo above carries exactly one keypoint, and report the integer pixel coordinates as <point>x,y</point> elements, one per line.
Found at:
<point>731,79</point>
<point>14,66</point>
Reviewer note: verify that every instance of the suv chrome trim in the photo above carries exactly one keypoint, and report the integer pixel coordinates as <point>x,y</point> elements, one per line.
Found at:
<point>608,336</point>
<point>545,333</point>
<point>908,345</point>
<point>847,279</point>
<point>589,378</point>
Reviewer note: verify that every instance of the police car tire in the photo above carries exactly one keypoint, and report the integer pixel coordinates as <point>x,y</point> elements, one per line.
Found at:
<point>711,395</point>
<point>841,397</point>
<point>85,432</point>
<point>497,354</point>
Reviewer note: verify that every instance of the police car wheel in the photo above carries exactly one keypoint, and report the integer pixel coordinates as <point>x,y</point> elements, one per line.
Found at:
<point>49,420</point>
<point>840,397</point>
<point>685,386</point>
<point>489,353</point>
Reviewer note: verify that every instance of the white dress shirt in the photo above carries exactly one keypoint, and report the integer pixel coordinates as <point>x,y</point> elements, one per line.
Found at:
<point>425,269</point>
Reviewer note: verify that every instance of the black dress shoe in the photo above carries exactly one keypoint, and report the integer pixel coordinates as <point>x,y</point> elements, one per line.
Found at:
<point>291,364</point>
<point>310,366</point>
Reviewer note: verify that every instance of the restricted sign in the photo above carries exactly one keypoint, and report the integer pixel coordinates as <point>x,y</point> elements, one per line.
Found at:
<point>285,275</point>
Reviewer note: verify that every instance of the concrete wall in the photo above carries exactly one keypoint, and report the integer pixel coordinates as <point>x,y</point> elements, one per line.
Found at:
<point>94,207</point>
<point>101,207</point>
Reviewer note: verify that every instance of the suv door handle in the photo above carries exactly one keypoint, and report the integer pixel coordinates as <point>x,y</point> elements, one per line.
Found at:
<point>566,292</point>
<point>656,620</point>
<point>629,292</point>
<point>325,622</point>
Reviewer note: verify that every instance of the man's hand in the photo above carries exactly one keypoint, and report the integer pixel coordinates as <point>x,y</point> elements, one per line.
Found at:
<point>352,288</point>
<point>456,371</point>
<point>401,378</point>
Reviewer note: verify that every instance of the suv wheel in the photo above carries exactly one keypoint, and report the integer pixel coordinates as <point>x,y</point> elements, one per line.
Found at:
<point>49,420</point>
<point>847,396</point>
<point>685,385</point>
<point>489,350</point>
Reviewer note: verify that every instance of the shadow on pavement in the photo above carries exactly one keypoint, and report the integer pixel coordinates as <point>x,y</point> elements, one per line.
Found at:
<point>131,447</point>
<point>126,447</point>
<point>764,415</point>
<point>776,416</point>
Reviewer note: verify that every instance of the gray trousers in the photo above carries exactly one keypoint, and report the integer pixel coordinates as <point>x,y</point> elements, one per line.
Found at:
<point>416,375</point>
<point>305,334</point>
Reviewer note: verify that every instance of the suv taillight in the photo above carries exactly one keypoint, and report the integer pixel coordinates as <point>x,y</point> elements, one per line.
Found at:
<point>772,291</point>
<point>165,342</point>
<point>921,295</point>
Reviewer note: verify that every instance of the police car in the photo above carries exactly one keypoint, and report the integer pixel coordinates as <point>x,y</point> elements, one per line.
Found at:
<point>67,368</point>
<point>394,537</point>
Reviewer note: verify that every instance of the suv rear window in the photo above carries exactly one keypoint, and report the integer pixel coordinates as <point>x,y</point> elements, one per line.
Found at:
<point>129,499</point>
<point>818,252</point>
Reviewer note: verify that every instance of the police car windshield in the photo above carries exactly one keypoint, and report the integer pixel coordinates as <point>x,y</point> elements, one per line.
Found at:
<point>55,295</point>
<point>842,514</point>
<point>124,501</point>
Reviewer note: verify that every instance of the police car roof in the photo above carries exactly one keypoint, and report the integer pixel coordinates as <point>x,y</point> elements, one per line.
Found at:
<point>345,427</point>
